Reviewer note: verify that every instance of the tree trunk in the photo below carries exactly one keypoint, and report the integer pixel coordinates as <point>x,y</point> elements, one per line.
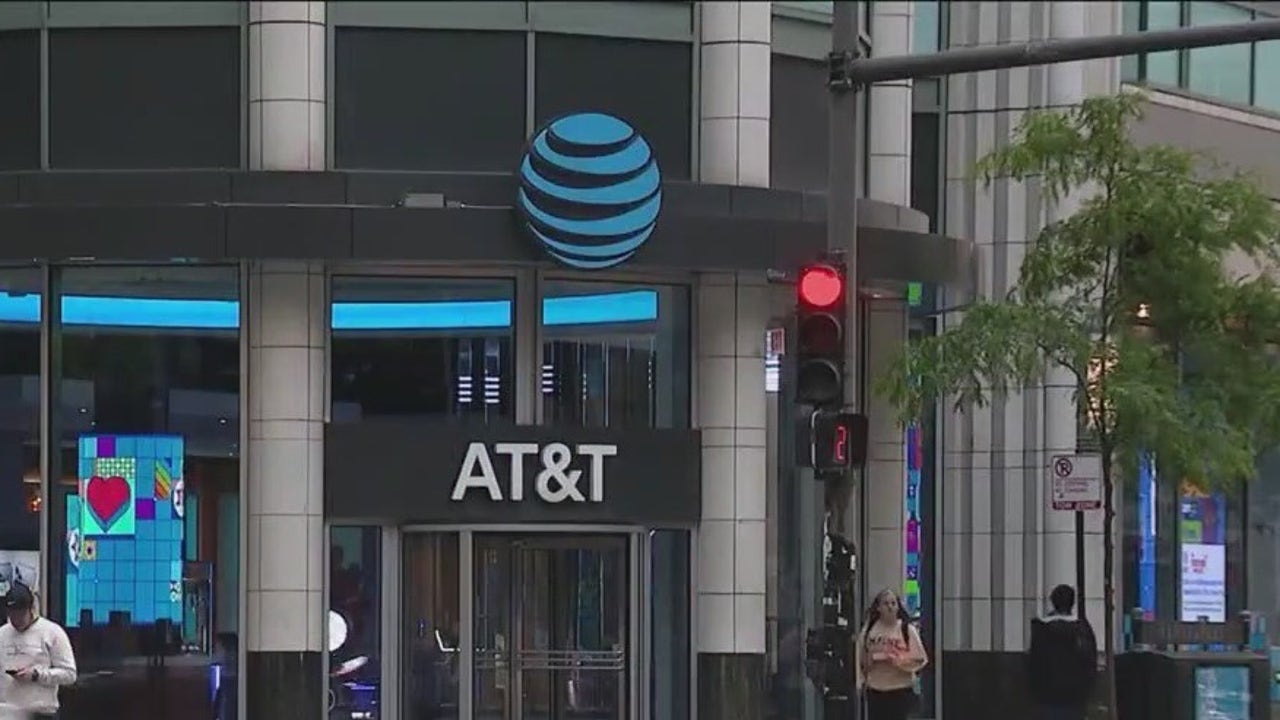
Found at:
<point>1108,588</point>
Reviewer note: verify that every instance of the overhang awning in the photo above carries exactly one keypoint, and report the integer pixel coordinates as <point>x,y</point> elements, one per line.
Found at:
<point>221,215</point>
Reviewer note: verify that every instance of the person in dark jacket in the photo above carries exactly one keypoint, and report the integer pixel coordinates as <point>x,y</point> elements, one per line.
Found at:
<point>1062,661</point>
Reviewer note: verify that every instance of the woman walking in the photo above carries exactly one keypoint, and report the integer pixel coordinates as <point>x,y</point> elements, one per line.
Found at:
<point>890,654</point>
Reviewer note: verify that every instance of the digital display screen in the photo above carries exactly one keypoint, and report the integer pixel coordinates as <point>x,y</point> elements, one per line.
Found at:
<point>1202,536</point>
<point>125,529</point>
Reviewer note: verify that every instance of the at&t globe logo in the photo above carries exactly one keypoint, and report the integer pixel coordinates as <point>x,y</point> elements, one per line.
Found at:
<point>590,190</point>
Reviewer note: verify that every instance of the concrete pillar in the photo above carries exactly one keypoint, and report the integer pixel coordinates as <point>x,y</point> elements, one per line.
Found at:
<point>884,492</point>
<point>733,313</point>
<point>287,327</point>
<point>1065,87</point>
<point>286,85</point>
<point>734,122</point>
<point>883,506</point>
<point>889,139</point>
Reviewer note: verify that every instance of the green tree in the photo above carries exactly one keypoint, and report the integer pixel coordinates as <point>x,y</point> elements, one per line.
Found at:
<point>1134,297</point>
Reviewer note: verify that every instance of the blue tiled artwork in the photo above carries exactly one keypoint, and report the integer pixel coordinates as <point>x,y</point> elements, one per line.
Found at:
<point>126,559</point>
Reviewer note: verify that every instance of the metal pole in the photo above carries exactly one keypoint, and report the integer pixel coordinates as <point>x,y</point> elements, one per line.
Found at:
<point>842,193</point>
<point>865,71</point>
<point>1080,565</point>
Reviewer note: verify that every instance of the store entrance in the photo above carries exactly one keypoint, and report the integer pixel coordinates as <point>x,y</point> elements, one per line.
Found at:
<point>551,627</point>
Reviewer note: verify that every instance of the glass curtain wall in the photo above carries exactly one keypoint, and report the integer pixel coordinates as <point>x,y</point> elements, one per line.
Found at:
<point>621,360</point>
<point>20,493</point>
<point>425,347</point>
<point>144,496</point>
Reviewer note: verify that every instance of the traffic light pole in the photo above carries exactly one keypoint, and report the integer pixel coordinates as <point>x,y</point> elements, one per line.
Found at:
<point>842,180</point>
<point>850,73</point>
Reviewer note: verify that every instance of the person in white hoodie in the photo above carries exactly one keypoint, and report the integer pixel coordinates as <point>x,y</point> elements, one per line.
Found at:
<point>35,654</point>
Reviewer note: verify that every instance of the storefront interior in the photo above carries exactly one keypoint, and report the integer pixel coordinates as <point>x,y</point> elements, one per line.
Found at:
<point>142,558</point>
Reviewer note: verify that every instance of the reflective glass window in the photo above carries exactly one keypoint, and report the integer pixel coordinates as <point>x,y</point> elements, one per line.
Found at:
<point>1222,72</point>
<point>20,88</point>
<point>430,631</point>
<point>1131,22</point>
<point>648,83</point>
<point>354,628</point>
<point>1266,75</point>
<point>145,510</point>
<point>615,355</point>
<point>926,35</point>
<point>187,79</point>
<point>428,347</point>
<point>1162,67</point>
<point>669,666</point>
<point>20,427</point>
<point>469,118</point>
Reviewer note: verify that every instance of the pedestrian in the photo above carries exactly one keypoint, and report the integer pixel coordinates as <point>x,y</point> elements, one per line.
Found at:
<point>890,655</point>
<point>1062,662</point>
<point>35,654</point>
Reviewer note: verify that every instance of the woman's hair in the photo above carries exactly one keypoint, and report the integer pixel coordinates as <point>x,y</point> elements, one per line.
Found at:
<point>873,612</point>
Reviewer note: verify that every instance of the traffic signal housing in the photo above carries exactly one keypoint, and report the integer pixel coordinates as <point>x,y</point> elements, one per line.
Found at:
<point>833,441</point>
<point>821,314</point>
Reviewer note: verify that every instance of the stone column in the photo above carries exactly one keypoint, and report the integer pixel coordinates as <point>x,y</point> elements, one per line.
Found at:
<point>885,475</point>
<point>734,125</point>
<point>287,327</point>
<point>287,311</point>
<point>287,85</point>
<point>883,518</point>
<point>733,313</point>
<point>889,139</point>
<point>1067,85</point>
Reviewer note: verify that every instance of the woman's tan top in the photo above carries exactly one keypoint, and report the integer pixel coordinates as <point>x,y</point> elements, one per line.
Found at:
<point>888,662</point>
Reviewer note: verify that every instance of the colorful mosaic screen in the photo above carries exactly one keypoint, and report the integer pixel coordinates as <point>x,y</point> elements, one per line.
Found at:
<point>125,529</point>
<point>911,584</point>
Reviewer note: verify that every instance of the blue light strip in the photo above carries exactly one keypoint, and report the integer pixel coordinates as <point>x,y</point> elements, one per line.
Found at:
<point>619,307</point>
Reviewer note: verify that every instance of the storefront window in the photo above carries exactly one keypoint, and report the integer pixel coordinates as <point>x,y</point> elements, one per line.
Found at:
<point>19,427</point>
<point>354,627</point>
<point>427,347</point>
<point>615,355</point>
<point>144,515</point>
<point>430,633</point>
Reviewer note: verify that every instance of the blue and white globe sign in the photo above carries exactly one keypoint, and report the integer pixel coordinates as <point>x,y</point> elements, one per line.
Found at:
<point>590,190</point>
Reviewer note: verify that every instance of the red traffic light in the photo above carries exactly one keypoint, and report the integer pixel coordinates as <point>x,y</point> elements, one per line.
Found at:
<point>820,286</point>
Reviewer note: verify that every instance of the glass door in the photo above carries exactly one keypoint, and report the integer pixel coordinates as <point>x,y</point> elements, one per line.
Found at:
<point>551,627</point>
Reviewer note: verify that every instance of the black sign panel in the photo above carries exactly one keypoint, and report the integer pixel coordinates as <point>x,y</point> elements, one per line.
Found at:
<point>425,472</point>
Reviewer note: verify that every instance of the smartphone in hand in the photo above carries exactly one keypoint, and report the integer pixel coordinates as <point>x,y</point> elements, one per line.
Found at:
<point>11,673</point>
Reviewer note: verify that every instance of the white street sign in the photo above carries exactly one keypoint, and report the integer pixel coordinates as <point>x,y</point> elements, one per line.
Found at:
<point>1076,482</point>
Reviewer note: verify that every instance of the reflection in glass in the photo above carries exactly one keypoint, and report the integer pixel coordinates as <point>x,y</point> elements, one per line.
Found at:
<point>926,27</point>
<point>355,601</point>
<point>410,362</point>
<point>1162,67</point>
<point>1266,75</point>
<point>1222,72</point>
<point>628,373</point>
<point>20,434</point>
<point>551,628</point>
<point>669,627</point>
<point>430,632</point>
<point>145,516</point>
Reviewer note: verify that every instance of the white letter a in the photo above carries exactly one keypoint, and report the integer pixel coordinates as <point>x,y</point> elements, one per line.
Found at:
<point>477,458</point>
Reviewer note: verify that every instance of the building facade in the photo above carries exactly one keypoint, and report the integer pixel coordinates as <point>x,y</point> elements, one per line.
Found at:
<point>336,383</point>
<point>1003,548</point>
<point>409,360</point>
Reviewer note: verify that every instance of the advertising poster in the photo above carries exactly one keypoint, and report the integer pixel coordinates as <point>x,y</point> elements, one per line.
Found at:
<point>1222,693</point>
<point>1202,536</point>
<point>1204,583</point>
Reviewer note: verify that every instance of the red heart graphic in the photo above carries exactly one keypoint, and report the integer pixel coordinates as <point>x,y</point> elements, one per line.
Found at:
<point>107,498</point>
